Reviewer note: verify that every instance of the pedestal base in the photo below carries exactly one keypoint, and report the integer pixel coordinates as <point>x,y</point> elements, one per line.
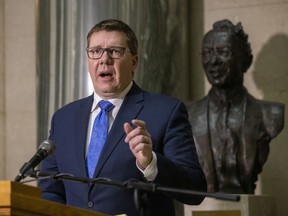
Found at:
<point>249,205</point>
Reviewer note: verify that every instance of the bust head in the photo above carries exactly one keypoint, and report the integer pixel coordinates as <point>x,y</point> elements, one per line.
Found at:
<point>226,54</point>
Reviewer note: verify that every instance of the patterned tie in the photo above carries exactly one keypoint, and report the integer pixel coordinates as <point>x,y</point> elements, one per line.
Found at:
<point>98,137</point>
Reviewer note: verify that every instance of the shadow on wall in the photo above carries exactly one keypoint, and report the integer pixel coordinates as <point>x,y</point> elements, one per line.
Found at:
<point>271,77</point>
<point>271,69</point>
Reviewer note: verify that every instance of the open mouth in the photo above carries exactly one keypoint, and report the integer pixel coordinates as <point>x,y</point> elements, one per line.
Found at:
<point>106,74</point>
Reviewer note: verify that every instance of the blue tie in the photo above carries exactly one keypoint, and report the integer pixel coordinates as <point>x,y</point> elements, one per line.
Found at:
<point>98,137</point>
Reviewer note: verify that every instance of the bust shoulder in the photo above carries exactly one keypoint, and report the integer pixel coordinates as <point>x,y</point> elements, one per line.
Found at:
<point>272,114</point>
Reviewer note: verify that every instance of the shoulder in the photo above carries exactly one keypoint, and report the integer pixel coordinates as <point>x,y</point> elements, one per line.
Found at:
<point>197,105</point>
<point>160,98</point>
<point>272,114</point>
<point>269,108</point>
<point>273,117</point>
<point>75,105</point>
<point>153,98</point>
<point>164,104</point>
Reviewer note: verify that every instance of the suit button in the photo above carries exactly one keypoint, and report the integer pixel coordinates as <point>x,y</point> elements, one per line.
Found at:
<point>90,204</point>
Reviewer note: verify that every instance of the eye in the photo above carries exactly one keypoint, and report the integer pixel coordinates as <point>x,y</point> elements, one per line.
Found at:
<point>116,51</point>
<point>206,53</point>
<point>223,52</point>
<point>97,51</point>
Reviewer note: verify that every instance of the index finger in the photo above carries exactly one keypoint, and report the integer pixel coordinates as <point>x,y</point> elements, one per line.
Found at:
<point>139,123</point>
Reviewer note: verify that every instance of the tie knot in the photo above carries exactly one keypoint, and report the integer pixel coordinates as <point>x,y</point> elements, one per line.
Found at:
<point>105,105</point>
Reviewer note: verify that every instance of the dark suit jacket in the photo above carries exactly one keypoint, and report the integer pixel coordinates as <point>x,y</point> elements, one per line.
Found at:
<point>167,122</point>
<point>262,121</point>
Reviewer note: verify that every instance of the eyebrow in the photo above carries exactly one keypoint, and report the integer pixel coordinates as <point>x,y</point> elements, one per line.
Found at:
<point>97,47</point>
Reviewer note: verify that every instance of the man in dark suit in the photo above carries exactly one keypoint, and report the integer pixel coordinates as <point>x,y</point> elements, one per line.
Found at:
<point>232,129</point>
<point>150,137</point>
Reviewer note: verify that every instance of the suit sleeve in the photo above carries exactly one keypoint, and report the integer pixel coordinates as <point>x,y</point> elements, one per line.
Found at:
<point>179,166</point>
<point>52,190</point>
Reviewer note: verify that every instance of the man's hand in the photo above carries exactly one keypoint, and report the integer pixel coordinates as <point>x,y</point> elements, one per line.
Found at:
<point>140,142</point>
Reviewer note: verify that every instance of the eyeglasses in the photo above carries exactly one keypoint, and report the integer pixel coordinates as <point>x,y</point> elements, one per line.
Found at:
<point>113,52</point>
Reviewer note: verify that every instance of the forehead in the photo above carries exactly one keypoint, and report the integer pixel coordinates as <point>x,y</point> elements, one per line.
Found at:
<point>216,38</point>
<point>108,38</point>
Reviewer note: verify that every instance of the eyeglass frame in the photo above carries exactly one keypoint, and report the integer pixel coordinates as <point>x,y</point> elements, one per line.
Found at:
<point>108,50</point>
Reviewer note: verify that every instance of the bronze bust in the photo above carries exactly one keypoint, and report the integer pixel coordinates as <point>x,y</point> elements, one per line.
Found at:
<point>232,129</point>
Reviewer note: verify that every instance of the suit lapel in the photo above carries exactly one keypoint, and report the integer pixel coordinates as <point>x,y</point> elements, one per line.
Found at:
<point>80,133</point>
<point>199,121</point>
<point>247,149</point>
<point>129,110</point>
<point>200,127</point>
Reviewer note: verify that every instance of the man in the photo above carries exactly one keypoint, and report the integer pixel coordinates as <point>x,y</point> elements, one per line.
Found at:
<point>150,137</point>
<point>233,129</point>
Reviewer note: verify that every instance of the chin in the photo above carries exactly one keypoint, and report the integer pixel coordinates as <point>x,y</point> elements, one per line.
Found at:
<point>217,83</point>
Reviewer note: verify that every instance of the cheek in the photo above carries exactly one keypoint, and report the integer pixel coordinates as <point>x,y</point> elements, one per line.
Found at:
<point>205,64</point>
<point>227,63</point>
<point>92,68</point>
<point>91,64</point>
<point>126,70</point>
<point>205,60</point>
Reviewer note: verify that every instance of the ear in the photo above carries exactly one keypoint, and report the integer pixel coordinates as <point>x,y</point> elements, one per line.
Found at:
<point>248,63</point>
<point>134,62</point>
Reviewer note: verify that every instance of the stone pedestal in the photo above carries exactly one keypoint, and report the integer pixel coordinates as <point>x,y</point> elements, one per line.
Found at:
<point>218,213</point>
<point>249,205</point>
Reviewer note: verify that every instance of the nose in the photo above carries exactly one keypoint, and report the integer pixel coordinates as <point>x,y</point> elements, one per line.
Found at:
<point>105,58</point>
<point>214,57</point>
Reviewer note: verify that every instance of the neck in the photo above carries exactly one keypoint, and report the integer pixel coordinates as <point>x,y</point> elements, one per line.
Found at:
<point>222,95</point>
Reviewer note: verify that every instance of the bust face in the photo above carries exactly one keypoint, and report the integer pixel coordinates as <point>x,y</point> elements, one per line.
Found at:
<point>219,60</point>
